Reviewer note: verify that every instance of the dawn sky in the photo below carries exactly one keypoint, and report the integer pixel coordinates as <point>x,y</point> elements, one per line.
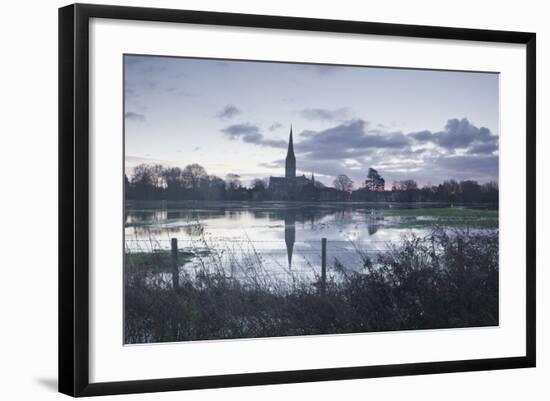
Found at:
<point>235,116</point>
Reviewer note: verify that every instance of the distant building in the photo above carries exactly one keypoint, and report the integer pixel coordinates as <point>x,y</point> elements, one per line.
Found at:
<point>289,186</point>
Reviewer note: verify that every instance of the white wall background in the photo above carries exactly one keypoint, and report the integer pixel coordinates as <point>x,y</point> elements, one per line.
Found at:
<point>28,221</point>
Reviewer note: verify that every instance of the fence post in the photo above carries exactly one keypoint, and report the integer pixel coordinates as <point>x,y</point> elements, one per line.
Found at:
<point>174,257</point>
<point>323,264</point>
<point>460,249</point>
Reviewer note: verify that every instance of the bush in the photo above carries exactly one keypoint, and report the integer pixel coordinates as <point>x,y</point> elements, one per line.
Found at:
<point>445,280</point>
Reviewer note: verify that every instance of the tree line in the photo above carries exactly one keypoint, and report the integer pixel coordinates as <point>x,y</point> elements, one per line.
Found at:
<point>156,182</point>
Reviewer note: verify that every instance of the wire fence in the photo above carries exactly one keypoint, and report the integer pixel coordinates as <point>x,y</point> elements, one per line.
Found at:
<point>270,259</point>
<point>264,246</point>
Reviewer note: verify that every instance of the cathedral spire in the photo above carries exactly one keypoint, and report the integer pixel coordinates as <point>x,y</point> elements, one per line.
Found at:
<point>290,143</point>
<point>290,162</point>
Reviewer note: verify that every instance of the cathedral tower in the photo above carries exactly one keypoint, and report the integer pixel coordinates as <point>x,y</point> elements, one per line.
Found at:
<point>290,163</point>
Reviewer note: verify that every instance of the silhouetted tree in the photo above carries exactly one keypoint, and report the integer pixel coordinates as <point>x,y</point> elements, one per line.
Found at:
<point>193,175</point>
<point>173,180</point>
<point>147,180</point>
<point>155,182</point>
<point>343,183</point>
<point>259,184</point>
<point>233,181</point>
<point>374,181</point>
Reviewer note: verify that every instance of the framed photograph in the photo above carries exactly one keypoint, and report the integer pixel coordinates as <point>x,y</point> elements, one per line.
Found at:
<point>251,199</point>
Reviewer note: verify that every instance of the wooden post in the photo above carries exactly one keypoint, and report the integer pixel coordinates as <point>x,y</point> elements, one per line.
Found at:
<point>460,249</point>
<point>323,264</point>
<point>432,254</point>
<point>174,257</point>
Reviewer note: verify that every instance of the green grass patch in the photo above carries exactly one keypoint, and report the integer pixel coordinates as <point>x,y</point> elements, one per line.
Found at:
<point>442,212</point>
<point>159,260</point>
<point>480,223</point>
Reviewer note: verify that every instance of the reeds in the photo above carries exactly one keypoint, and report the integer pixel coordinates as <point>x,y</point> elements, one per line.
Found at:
<point>447,279</point>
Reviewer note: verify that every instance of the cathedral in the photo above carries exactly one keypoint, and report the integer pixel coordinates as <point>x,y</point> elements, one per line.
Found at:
<point>288,186</point>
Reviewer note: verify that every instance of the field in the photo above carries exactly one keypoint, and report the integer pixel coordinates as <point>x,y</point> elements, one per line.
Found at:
<point>446,279</point>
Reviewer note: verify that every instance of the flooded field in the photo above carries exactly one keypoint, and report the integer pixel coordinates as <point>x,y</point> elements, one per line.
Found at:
<point>286,237</point>
<point>243,270</point>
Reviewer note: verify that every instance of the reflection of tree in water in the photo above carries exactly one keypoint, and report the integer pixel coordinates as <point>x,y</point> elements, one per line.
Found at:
<point>189,218</point>
<point>145,215</point>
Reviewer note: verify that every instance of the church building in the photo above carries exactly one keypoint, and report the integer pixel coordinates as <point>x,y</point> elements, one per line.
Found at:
<point>290,185</point>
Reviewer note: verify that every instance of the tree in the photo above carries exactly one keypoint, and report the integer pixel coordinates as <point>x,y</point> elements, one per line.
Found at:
<point>343,183</point>
<point>470,191</point>
<point>216,182</point>
<point>233,181</point>
<point>216,188</point>
<point>374,181</point>
<point>193,174</point>
<point>407,191</point>
<point>491,186</point>
<point>147,180</point>
<point>407,185</point>
<point>172,177</point>
<point>258,184</point>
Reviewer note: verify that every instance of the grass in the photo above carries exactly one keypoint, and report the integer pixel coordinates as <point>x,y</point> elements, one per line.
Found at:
<point>445,280</point>
<point>443,212</point>
<point>450,217</point>
<point>479,223</point>
<point>158,260</point>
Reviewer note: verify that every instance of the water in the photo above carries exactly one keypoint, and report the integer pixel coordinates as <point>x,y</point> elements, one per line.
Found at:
<point>283,238</point>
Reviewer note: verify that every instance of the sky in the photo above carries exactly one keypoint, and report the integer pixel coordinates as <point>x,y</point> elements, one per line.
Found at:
<point>234,117</point>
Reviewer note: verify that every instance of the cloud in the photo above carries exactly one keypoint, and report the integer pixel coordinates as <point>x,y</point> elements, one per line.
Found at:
<point>273,164</point>
<point>250,133</point>
<point>275,126</point>
<point>319,167</point>
<point>137,117</point>
<point>229,111</point>
<point>236,130</point>
<point>325,114</point>
<point>483,148</point>
<point>351,139</point>
<point>422,136</point>
<point>485,164</point>
<point>176,90</point>
<point>460,134</point>
<point>429,157</point>
<point>132,161</point>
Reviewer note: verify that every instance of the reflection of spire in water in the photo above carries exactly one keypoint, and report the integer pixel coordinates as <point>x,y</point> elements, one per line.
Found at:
<point>290,235</point>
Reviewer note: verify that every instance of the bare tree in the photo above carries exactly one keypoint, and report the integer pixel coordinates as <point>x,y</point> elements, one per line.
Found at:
<point>258,184</point>
<point>343,183</point>
<point>233,181</point>
<point>172,177</point>
<point>193,174</point>
<point>405,185</point>
<point>148,175</point>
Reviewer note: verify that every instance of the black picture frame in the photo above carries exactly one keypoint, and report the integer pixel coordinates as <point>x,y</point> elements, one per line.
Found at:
<point>74,201</point>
